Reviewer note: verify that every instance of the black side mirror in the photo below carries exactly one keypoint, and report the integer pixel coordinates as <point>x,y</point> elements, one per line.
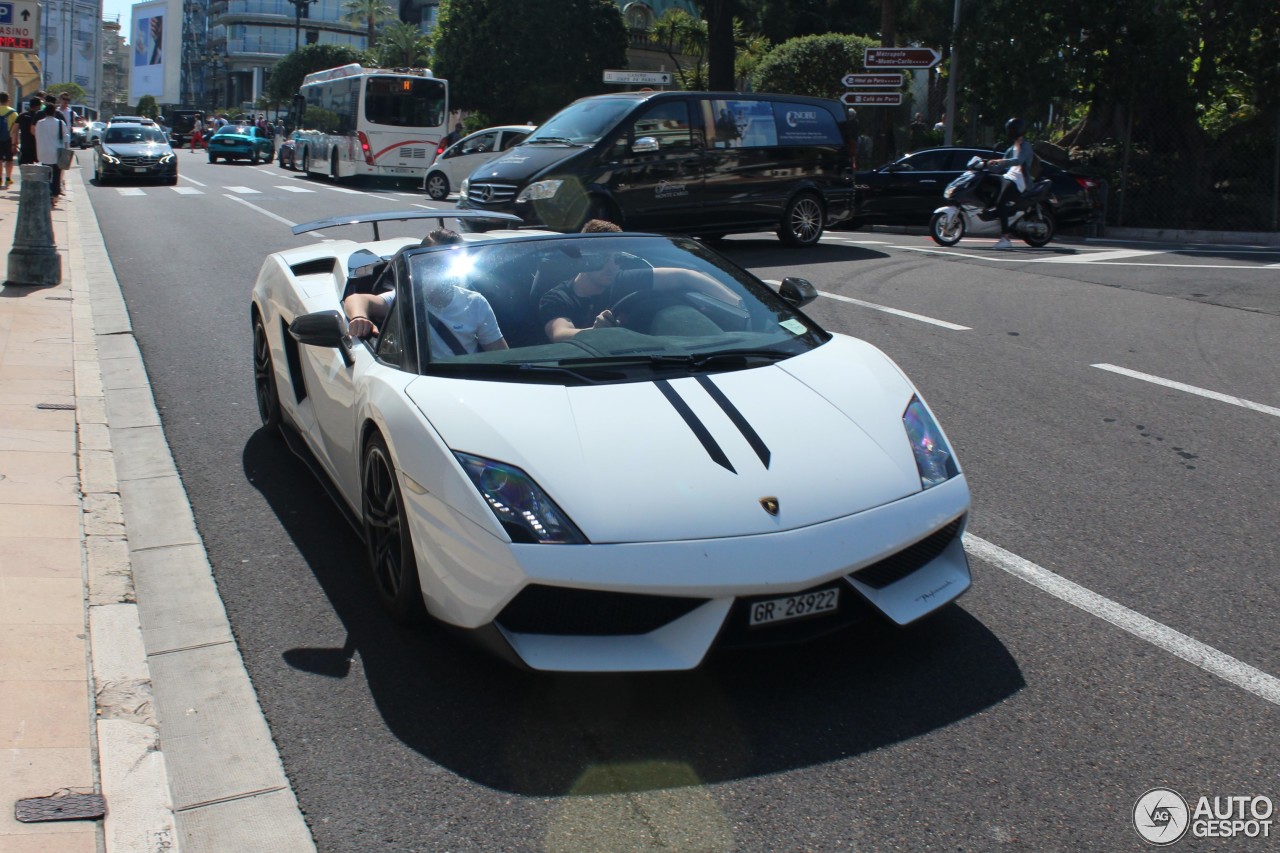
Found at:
<point>323,329</point>
<point>797,291</point>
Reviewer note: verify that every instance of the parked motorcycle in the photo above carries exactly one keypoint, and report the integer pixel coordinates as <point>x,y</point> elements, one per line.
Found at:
<point>969,210</point>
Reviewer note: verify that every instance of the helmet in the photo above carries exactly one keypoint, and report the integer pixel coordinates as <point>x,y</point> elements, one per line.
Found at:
<point>1013,128</point>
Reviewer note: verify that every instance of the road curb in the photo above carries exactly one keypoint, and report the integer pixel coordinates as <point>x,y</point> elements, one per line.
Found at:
<point>185,754</point>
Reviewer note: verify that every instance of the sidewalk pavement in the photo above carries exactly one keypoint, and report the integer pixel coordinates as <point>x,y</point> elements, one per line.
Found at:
<point>119,675</point>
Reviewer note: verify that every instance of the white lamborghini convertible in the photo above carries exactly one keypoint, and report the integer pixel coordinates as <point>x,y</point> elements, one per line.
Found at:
<point>702,465</point>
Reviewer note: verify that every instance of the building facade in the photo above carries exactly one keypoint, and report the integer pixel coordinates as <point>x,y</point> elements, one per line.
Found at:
<point>71,45</point>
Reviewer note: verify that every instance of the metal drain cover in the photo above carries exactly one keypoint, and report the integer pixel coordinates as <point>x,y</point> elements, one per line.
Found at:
<point>60,807</point>
<point>60,407</point>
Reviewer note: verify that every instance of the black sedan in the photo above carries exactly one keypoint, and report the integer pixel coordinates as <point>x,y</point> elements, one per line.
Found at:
<point>134,151</point>
<point>908,190</point>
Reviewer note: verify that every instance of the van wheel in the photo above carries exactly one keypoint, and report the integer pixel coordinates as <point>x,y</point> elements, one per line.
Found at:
<point>803,221</point>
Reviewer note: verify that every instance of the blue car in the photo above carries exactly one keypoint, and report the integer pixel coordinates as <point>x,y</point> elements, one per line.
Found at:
<point>240,142</point>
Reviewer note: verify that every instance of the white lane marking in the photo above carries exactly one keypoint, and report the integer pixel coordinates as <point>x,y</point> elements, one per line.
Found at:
<point>1014,257</point>
<point>243,190</point>
<point>192,180</point>
<point>1192,651</point>
<point>187,191</point>
<point>1191,389</point>
<point>263,211</point>
<point>292,189</point>
<point>1094,257</point>
<point>923,319</point>
<point>353,192</point>
<point>830,239</point>
<point>131,190</point>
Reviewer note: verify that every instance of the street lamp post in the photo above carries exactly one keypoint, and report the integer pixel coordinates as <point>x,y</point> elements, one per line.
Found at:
<point>299,6</point>
<point>953,72</point>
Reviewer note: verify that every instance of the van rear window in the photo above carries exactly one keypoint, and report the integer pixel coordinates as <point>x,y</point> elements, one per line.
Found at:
<point>757,124</point>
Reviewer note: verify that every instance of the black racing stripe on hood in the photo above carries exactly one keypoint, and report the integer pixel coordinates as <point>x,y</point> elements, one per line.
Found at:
<point>698,427</point>
<point>744,426</point>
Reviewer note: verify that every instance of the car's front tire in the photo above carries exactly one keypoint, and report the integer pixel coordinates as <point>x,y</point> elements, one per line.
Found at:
<point>264,378</point>
<point>803,221</point>
<point>388,544</point>
<point>438,186</point>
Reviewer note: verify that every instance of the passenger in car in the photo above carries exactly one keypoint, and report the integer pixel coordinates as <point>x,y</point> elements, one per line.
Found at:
<point>462,321</point>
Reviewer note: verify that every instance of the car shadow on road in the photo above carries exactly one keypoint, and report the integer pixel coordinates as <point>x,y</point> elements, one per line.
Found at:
<point>743,714</point>
<point>755,253</point>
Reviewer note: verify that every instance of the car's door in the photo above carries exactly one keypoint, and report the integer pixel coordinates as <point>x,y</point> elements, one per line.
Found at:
<point>916,184</point>
<point>463,159</point>
<point>336,388</point>
<point>655,168</point>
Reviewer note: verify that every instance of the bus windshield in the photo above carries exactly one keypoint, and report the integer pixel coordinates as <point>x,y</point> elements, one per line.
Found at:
<point>405,101</point>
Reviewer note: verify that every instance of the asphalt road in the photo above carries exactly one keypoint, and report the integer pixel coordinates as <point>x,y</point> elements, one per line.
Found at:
<point>1111,510</point>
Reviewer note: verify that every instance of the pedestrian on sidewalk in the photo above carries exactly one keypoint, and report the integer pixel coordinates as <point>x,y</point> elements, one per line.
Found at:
<point>49,141</point>
<point>8,137</point>
<point>27,131</point>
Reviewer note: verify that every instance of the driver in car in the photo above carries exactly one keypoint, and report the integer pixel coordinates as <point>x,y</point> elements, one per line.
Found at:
<point>586,300</point>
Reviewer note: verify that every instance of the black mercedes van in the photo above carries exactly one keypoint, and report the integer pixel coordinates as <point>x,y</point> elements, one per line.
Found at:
<point>703,163</point>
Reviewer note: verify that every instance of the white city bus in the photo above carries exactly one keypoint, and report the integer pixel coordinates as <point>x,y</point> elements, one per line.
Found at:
<point>354,120</point>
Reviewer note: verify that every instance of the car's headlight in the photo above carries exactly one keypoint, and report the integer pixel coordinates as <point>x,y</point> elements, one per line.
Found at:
<point>540,190</point>
<point>523,509</point>
<point>167,157</point>
<point>462,188</point>
<point>111,158</point>
<point>934,459</point>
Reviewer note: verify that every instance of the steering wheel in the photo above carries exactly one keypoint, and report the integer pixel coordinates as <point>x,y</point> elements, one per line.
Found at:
<point>638,307</point>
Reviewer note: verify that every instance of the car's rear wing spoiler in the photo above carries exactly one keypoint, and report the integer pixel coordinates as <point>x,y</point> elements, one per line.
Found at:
<point>403,216</point>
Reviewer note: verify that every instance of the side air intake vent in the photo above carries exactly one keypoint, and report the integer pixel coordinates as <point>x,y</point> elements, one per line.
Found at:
<point>320,266</point>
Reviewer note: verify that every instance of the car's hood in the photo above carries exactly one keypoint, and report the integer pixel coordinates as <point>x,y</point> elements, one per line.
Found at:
<point>694,457</point>
<point>524,161</point>
<point>136,149</point>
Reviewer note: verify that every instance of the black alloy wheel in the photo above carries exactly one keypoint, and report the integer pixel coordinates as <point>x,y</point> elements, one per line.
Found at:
<point>264,378</point>
<point>388,543</point>
<point>803,221</point>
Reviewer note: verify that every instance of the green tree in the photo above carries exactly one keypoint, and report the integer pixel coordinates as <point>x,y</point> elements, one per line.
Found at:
<point>286,77</point>
<point>679,34</point>
<point>522,60</point>
<point>369,14</point>
<point>75,90</point>
<point>811,65</point>
<point>403,45</point>
<point>147,107</point>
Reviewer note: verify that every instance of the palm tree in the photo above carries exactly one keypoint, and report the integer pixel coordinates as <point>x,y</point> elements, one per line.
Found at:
<point>403,45</point>
<point>369,13</point>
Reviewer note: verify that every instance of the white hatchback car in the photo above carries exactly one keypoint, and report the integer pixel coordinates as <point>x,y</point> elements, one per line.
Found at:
<point>469,153</point>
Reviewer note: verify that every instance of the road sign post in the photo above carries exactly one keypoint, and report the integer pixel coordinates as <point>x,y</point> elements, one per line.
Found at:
<point>639,78</point>
<point>19,26</point>
<point>851,80</point>
<point>871,99</point>
<point>902,57</point>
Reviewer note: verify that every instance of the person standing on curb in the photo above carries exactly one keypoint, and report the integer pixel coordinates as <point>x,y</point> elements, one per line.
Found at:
<point>27,131</point>
<point>49,135</point>
<point>8,136</point>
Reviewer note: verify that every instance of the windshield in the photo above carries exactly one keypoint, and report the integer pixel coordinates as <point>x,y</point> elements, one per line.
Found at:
<point>133,135</point>
<point>674,307</point>
<point>405,101</point>
<point>583,123</point>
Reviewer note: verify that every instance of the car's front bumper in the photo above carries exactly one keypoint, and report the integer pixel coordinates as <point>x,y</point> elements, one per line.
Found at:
<point>140,170</point>
<point>693,591</point>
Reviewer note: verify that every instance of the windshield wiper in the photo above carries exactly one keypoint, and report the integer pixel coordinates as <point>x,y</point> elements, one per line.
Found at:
<point>696,360</point>
<point>523,371</point>
<point>563,140</point>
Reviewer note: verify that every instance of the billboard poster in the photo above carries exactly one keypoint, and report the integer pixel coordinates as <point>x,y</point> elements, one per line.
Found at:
<point>147,47</point>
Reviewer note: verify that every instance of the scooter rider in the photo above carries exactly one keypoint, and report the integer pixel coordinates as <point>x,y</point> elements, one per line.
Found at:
<point>1013,182</point>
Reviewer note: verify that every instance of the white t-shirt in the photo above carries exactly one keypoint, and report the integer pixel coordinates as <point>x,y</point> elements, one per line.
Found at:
<point>468,315</point>
<point>48,132</point>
